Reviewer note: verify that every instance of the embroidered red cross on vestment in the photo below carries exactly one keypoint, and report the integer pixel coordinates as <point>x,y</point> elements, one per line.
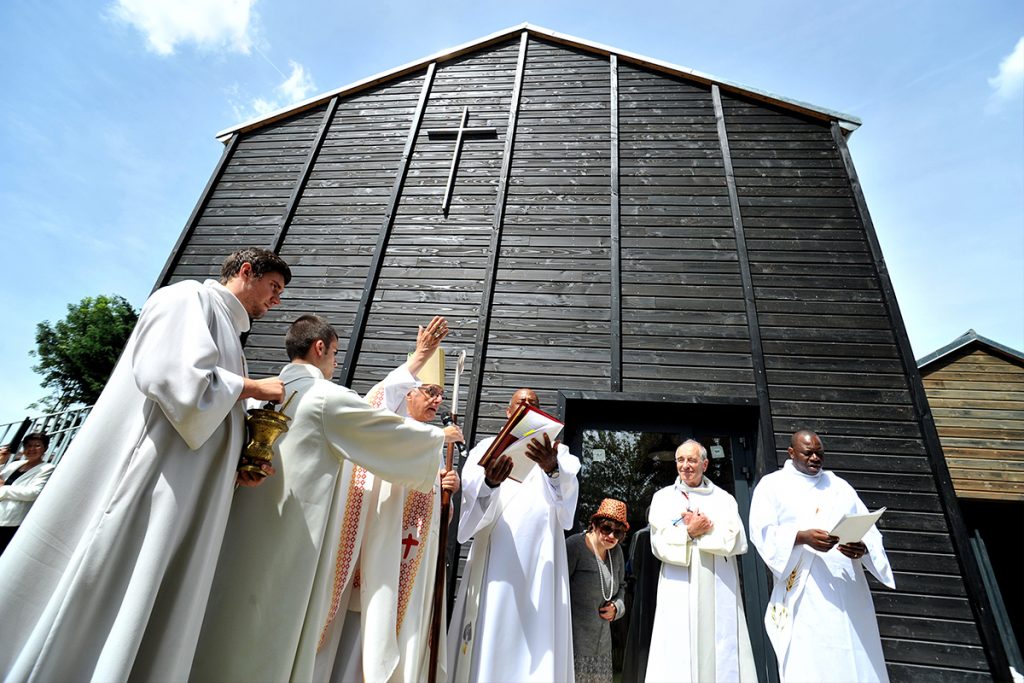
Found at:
<point>409,541</point>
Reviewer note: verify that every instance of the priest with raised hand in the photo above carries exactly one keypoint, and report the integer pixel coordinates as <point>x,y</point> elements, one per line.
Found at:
<point>110,573</point>
<point>385,632</point>
<point>700,630</point>
<point>511,620</point>
<point>820,617</point>
<point>278,574</point>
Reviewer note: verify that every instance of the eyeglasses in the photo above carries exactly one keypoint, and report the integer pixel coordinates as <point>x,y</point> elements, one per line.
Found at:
<point>432,392</point>
<point>611,530</point>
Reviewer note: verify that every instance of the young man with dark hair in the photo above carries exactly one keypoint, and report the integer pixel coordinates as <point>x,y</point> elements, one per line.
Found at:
<point>261,262</point>
<point>109,576</point>
<point>278,584</point>
<point>306,331</point>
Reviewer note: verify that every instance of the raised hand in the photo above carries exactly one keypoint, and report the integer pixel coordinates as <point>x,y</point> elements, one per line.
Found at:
<point>544,454</point>
<point>428,338</point>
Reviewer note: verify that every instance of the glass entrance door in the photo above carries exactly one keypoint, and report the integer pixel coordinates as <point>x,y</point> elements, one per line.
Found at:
<point>627,452</point>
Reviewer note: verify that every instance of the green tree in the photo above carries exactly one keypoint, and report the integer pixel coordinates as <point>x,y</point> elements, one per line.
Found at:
<point>77,354</point>
<point>626,472</point>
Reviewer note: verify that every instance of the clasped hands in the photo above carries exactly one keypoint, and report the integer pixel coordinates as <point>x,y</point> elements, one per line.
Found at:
<point>697,523</point>
<point>822,541</point>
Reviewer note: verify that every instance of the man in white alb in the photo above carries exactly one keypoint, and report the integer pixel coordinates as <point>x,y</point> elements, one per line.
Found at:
<point>385,635</point>
<point>109,576</point>
<point>820,617</point>
<point>700,631</point>
<point>511,620</point>
<point>277,572</point>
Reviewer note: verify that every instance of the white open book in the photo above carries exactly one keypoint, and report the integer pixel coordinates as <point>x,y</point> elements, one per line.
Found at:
<point>851,528</point>
<point>528,423</point>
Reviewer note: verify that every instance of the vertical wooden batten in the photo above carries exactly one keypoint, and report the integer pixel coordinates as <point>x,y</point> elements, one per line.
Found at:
<point>982,609</point>
<point>307,169</point>
<point>615,332</point>
<point>373,274</point>
<point>766,428</point>
<point>487,293</point>
<point>197,211</point>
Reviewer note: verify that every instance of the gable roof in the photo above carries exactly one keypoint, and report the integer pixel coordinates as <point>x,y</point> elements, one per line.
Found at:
<point>966,339</point>
<point>846,122</point>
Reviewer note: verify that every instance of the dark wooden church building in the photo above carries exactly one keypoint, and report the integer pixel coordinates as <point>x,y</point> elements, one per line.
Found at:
<point>659,253</point>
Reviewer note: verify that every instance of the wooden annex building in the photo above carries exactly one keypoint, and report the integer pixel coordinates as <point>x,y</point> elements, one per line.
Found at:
<point>654,250</point>
<point>975,387</point>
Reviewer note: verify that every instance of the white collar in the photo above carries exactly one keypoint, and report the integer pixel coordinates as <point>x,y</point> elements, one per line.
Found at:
<point>239,316</point>
<point>791,469</point>
<point>294,371</point>
<point>705,487</point>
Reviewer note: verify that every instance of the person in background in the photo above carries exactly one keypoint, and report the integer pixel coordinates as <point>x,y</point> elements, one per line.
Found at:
<point>700,630</point>
<point>21,482</point>
<point>277,576</point>
<point>820,618</point>
<point>109,576</point>
<point>642,572</point>
<point>385,634</point>
<point>511,616</point>
<point>596,590</point>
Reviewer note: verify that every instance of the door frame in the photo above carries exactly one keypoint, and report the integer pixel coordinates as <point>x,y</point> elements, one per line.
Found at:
<point>582,410</point>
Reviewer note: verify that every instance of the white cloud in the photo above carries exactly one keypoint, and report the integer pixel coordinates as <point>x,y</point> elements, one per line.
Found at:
<point>210,24</point>
<point>294,88</point>
<point>1008,84</point>
<point>298,86</point>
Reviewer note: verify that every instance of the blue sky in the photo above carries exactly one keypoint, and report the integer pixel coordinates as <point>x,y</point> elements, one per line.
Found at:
<point>111,107</point>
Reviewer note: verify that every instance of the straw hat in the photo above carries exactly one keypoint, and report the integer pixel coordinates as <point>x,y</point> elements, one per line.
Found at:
<point>612,509</point>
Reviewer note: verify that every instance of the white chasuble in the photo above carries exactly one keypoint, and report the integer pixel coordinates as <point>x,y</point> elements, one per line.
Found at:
<point>820,617</point>
<point>700,630</point>
<point>289,556</point>
<point>521,630</point>
<point>109,575</point>
<point>397,566</point>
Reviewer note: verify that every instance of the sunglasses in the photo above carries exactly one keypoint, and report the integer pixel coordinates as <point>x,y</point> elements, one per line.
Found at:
<point>611,530</point>
<point>432,392</point>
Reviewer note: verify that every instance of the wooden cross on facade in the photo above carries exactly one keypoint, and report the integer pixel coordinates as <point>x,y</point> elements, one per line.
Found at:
<point>460,133</point>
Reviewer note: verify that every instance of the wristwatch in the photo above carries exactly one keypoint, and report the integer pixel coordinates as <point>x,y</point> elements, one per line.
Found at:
<point>553,474</point>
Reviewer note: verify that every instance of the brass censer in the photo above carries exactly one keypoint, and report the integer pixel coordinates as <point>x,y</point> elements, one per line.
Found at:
<point>264,426</point>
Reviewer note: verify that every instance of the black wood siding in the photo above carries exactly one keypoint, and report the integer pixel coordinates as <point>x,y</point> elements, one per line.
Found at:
<point>830,347</point>
<point>684,327</point>
<point>833,366</point>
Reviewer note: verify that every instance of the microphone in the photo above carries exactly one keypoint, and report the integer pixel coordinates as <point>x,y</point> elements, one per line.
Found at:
<point>446,419</point>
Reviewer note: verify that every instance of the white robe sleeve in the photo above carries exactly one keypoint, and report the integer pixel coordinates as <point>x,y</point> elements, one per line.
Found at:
<point>774,541</point>
<point>875,561</point>
<point>480,504</point>
<point>670,541</point>
<point>563,492</point>
<point>726,537</point>
<point>400,451</point>
<point>176,364</point>
<point>395,386</point>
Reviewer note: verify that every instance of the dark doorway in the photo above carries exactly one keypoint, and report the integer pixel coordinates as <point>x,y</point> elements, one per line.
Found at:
<point>626,445</point>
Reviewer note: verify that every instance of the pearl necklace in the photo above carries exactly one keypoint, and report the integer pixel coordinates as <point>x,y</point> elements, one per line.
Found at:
<point>601,570</point>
